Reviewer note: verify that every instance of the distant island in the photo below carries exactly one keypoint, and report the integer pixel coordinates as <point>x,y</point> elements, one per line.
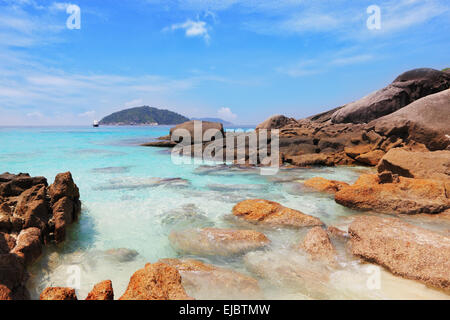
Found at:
<point>143,116</point>
<point>225,123</point>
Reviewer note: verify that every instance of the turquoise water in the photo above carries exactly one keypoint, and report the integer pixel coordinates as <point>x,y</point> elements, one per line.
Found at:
<point>130,200</point>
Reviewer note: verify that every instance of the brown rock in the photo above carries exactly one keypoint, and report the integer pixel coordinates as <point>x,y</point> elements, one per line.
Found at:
<point>5,217</point>
<point>370,158</point>
<point>33,208</point>
<point>276,122</point>
<point>273,213</point>
<point>423,165</point>
<point>13,185</point>
<point>356,151</point>
<point>58,293</point>
<point>318,245</point>
<point>212,241</point>
<point>337,233</point>
<point>306,160</point>
<point>29,245</point>
<point>408,251</point>
<point>63,214</point>
<point>188,127</point>
<point>64,186</point>
<point>5,293</point>
<point>207,281</point>
<point>408,196</point>
<point>12,271</point>
<point>102,291</point>
<point>7,243</point>
<point>157,281</point>
<point>325,185</point>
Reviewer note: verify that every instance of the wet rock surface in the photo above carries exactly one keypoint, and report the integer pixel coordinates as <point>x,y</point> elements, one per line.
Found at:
<point>325,185</point>
<point>102,291</point>
<point>272,213</point>
<point>32,214</point>
<point>318,245</point>
<point>58,293</point>
<point>406,250</point>
<point>222,242</point>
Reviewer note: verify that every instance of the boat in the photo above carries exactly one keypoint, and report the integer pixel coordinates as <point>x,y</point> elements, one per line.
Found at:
<point>95,124</point>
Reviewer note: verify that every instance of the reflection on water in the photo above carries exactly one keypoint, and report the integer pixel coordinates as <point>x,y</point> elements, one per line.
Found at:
<point>134,197</point>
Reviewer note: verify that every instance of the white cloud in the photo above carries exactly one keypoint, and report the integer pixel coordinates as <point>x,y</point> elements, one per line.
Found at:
<point>226,114</point>
<point>352,60</point>
<point>133,103</point>
<point>193,29</point>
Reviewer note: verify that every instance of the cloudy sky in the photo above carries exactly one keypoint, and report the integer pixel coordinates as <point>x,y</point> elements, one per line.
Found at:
<point>241,60</point>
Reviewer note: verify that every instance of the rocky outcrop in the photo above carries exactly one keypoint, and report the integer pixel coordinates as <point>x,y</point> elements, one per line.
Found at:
<point>206,281</point>
<point>212,241</point>
<point>203,127</point>
<point>157,281</point>
<point>402,195</point>
<point>406,88</point>
<point>32,214</point>
<point>319,246</point>
<point>276,122</point>
<point>325,185</point>
<point>422,165</point>
<point>102,291</point>
<point>405,250</point>
<point>58,293</point>
<point>274,214</point>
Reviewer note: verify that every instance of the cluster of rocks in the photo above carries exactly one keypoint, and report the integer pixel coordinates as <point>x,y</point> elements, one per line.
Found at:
<point>32,214</point>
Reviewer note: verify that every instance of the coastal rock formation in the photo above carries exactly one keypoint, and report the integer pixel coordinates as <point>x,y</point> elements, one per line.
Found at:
<point>31,214</point>
<point>325,185</point>
<point>206,281</point>
<point>404,196</point>
<point>189,127</point>
<point>276,122</point>
<point>102,291</point>
<point>157,281</point>
<point>212,241</point>
<point>274,214</point>
<point>318,245</point>
<point>422,165</point>
<point>405,250</point>
<point>406,88</point>
<point>336,233</point>
<point>58,293</point>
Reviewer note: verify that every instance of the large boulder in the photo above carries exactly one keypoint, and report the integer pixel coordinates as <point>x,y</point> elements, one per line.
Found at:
<point>202,127</point>
<point>63,186</point>
<point>422,165</point>
<point>102,291</point>
<point>402,195</point>
<point>272,213</point>
<point>425,121</point>
<point>406,250</point>
<point>12,185</point>
<point>206,281</point>
<point>212,241</point>
<point>276,122</point>
<point>157,281</point>
<point>58,293</point>
<point>324,185</point>
<point>33,208</point>
<point>407,88</point>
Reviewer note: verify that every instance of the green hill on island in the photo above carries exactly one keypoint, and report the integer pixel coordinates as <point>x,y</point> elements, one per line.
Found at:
<point>142,116</point>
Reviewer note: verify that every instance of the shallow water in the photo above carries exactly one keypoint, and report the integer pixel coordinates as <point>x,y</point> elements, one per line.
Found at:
<point>133,197</point>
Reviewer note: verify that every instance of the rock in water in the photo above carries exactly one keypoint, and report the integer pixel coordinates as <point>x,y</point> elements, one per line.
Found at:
<point>189,126</point>
<point>212,241</point>
<point>318,245</point>
<point>157,281</point>
<point>422,165</point>
<point>206,281</point>
<point>273,213</point>
<point>405,196</point>
<point>102,291</point>
<point>408,251</point>
<point>58,293</point>
<point>407,88</point>
<point>325,185</point>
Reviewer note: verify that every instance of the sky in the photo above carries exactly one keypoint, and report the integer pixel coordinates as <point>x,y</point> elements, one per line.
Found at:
<point>239,60</point>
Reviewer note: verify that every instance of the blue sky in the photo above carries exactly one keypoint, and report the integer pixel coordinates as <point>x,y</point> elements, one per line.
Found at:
<point>240,60</point>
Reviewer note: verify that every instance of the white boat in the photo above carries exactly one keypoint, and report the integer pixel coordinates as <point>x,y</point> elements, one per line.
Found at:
<point>96,124</point>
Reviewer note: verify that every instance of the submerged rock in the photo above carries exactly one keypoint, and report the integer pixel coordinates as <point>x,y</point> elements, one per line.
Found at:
<point>422,165</point>
<point>157,281</point>
<point>407,196</point>
<point>121,254</point>
<point>58,293</point>
<point>405,250</point>
<point>325,185</point>
<point>102,291</point>
<point>212,241</point>
<point>206,281</point>
<point>318,245</point>
<point>273,213</point>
